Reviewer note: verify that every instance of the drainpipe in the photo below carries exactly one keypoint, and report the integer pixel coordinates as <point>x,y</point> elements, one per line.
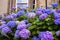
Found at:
<point>46,3</point>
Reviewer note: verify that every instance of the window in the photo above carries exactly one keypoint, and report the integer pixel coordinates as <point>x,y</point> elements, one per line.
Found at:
<point>33,4</point>
<point>22,3</point>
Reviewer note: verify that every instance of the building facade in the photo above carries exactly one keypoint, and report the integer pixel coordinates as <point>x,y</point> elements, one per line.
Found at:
<point>6,5</point>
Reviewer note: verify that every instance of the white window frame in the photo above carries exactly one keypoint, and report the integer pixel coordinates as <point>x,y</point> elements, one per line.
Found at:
<point>21,3</point>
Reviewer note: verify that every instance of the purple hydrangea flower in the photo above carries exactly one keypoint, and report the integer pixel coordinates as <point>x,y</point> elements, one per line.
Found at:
<point>24,33</point>
<point>55,5</point>
<point>41,9</point>
<point>3,22</point>
<point>57,21</point>
<point>28,25</point>
<point>43,16</point>
<point>17,34</point>
<point>6,30</point>
<point>21,26</point>
<point>20,13</point>
<point>26,21</point>
<point>58,33</point>
<point>13,8</point>
<point>48,11</point>
<point>39,12</point>
<point>31,15</point>
<point>9,17</point>
<point>58,10</point>
<point>53,11</point>
<point>2,26</point>
<point>57,15</point>
<point>35,38</point>
<point>13,15</point>
<point>11,24</point>
<point>46,36</point>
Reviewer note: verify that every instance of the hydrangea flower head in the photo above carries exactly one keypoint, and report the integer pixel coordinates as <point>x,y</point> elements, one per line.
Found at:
<point>17,34</point>
<point>21,26</point>
<point>11,24</point>
<point>24,33</point>
<point>57,15</point>
<point>20,13</point>
<point>26,21</point>
<point>31,15</point>
<point>46,36</point>
<point>13,15</point>
<point>43,16</point>
<point>55,4</point>
<point>9,17</point>
<point>2,26</point>
<point>6,30</point>
<point>57,21</point>
<point>41,9</point>
<point>58,33</point>
<point>58,10</point>
<point>53,11</point>
<point>48,11</point>
<point>3,22</point>
<point>28,25</point>
<point>38,12</point>
<point>13,8</point>
<point>35,38</point>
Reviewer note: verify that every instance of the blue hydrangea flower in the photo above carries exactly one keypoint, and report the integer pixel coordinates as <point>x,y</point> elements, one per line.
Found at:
<point>48,11</point>
<point>2,26</point>
<point>58,33</point>
<point>31,15</point>
<point>41,9</point>
<point>35,38</point>
<point>39,12</point>
<point>11,24</point>
<point>28,25</point>
<point>20,13</point>
<point>24,33</point>
<point>6,30</point>
<point>46,36</point>
<point>57,15</point>
<point>26,21</point>
<point>17,34</point>
<point>13,15</point>
<point>9,17</point>
<point>43,16</point>
<point>55,5</point>
<point>58,10</point>
<point>21,26</point>
<point>57,21</point>
<point>13,8</point>
<point>53,11</point>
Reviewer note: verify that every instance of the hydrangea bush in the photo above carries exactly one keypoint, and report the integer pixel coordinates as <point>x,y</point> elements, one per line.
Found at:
<point>39,24</point>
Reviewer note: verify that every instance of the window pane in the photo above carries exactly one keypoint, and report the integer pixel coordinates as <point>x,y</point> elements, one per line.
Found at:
<point>22,5</point>
<point>22,1</point>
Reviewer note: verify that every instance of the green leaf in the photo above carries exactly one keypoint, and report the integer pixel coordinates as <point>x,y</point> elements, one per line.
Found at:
<point>32,27</point>
<point>53,32</point>
<point>50,28</point>
<point>47,19</point>
<point>38,31</point>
